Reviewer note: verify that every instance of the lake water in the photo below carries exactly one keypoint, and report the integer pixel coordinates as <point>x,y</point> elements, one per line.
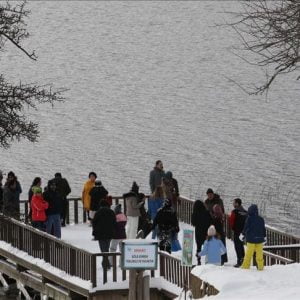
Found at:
<point>147,81</point>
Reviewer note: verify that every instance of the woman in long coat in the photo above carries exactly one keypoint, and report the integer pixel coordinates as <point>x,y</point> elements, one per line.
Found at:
<point>201,219</point>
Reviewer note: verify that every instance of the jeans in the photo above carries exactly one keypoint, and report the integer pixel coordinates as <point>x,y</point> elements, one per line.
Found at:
<point>53,221</point>
<point>239,248</point>
<point>113,247</point>
<point>104,247</point>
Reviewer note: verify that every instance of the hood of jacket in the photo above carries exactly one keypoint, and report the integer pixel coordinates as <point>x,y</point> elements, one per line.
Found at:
<point>253,210</point>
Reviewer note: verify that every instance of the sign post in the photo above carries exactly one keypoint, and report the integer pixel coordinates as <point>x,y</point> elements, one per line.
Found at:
<point>138,255</point>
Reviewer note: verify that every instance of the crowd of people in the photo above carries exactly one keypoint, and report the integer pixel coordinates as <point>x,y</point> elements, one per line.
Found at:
<point>49,208</point>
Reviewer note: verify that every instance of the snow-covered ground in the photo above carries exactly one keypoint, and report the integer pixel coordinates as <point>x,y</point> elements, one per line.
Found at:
<point>273,283</point>
<point>276,282</point>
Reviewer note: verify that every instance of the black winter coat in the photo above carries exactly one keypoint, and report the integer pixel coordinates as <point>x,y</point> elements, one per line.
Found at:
<point>104,224</point>
<point>62,187</point>
<point>97,194</point>
<point>55,202</point>
<point>201,220</point>
<point>166,220</point>
<point>11,202</point>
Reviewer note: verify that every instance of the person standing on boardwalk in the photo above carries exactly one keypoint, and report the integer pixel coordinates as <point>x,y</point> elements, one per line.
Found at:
<point>53,212</point>
<point>86,197</point>
<point>155,202</point>
<point>255,235</point>
<point>218,218</point>
<point>237,220</point>
<point>97,193</point>
<point>167,223</point>
<point>201,219</point>
<point>213,199</point>
<point>38,209</point>
<point>156,175</point>
<point>11,196</point>
<point>63,188</point>
<point>213,249</point>
<point>37,182</point>
<point>170,186</point>
<point>104,226</point>
<point>120,232</point>
<point>132,210</point>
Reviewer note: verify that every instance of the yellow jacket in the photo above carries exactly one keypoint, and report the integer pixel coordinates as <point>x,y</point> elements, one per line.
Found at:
<point>86,198</point>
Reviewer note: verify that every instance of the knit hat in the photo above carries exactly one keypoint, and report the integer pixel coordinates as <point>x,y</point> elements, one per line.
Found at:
<point>135,187</point>
<point>98,183</point>
<point>209,191</point>
<point>37,190</point>
<point>211,231</point>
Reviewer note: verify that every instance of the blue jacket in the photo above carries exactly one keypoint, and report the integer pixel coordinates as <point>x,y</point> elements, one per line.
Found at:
<point>254,230</point>
<point>213,249</point>
<point>153,206</point>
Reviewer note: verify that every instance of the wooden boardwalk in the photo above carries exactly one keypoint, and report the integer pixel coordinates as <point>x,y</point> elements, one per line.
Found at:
<point>74,261</point>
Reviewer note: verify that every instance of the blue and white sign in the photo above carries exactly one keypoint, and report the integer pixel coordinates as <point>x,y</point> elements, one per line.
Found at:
<point>139,254</point>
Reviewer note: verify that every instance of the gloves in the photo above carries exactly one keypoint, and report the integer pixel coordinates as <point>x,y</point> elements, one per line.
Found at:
<point>242,237</point>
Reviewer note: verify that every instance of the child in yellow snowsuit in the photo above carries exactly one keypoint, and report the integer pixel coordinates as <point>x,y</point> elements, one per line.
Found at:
<point>255,234</point>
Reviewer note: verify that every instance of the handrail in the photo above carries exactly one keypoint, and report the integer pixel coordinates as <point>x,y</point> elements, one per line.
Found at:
<point>72,260</point>
<point>170,267</point>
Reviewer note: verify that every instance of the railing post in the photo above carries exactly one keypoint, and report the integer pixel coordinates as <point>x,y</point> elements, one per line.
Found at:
<point>162,265</point>
<point>76,211</point>
<point>94,270</point>
<point>73,262</point>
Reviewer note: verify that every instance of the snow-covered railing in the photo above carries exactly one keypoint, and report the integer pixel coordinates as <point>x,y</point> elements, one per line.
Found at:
<point>291,252</point>
<point>72,260</point>
<point>172,270</point>
<point>273,259</point>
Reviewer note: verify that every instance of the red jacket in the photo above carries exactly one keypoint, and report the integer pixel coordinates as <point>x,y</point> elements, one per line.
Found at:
<point>38,207</point>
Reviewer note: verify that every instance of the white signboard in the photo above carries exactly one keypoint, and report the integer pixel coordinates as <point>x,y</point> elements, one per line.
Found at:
<point>137,254</point>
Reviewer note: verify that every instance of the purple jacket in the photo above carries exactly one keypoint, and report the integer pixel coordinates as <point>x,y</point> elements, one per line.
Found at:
<point>120,232</point>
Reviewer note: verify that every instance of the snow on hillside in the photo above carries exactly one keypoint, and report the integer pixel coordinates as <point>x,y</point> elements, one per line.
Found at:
<point>277,282</point>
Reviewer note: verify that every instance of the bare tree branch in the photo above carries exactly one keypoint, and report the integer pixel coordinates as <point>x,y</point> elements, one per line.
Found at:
<point>270,30</point>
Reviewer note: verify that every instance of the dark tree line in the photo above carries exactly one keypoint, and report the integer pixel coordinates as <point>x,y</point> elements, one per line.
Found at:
<point>271,30</point>
<point>15,100</point>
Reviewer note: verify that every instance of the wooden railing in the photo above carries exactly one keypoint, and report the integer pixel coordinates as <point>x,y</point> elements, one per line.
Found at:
<point>81,263</point>
<point>171,269</point>
<point>72,260</point>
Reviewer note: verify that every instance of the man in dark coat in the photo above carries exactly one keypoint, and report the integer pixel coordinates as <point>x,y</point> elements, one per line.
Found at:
<point>156,175</point>
<point>171,189</point>
<point>255,234</point>
<point>212,200</point>
<point>53,224</point>
<point>97,193</point>
<point>11,196</point>
<point>201,219</point>
<point>237,220</point>
<point>104,226</point>
<point>63,188</point>
<point>167,222</point>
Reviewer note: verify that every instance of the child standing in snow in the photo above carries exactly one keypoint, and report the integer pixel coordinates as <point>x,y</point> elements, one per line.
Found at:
<point>255,234</point>
<point>213,248</point>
